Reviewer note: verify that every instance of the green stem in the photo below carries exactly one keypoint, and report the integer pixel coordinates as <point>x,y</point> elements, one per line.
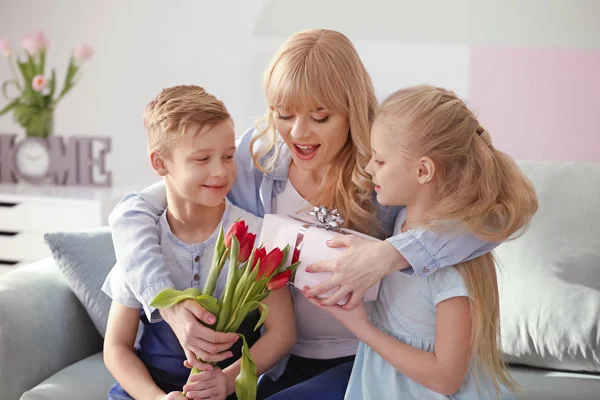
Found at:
<point>14,71</point>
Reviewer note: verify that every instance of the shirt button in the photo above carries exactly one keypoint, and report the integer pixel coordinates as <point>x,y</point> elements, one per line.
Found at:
<point>425,270</point>
<point>196,277</point>
<point>197,258</point>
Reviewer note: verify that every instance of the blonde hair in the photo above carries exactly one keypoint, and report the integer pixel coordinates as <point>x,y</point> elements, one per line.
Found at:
<point>475,184</point>
<point>322,68</point>
<point>177,108</point>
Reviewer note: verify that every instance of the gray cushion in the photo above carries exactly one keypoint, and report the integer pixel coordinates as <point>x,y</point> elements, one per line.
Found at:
<point>539,384</point>
<point>85,258</point>
<point>550,277</point>
<point>87,379</point>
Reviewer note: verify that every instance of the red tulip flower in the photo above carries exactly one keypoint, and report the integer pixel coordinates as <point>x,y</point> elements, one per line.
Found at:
<point>279,280</point>
<point>239,230</point>
<point>246,247</point>
<point>268,262</point>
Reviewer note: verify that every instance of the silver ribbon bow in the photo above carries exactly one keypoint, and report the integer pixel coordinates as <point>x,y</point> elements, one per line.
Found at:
<point>326,218</point>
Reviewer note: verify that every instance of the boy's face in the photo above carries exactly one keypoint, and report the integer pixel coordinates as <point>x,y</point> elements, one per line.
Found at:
<point>201,168</point>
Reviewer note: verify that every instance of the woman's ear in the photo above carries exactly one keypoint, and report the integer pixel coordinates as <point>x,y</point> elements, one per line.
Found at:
<point>426,170</point>
<point>158,164</point>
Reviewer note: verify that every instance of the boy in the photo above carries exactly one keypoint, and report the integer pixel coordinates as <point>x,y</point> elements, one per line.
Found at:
<point>191,143</point>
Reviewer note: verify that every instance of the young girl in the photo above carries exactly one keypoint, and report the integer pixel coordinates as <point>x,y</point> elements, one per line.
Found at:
<point>437,337</point>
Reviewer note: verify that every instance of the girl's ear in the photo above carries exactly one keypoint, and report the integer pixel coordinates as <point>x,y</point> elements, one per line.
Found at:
<point>426,170</point>
<point>158,164</point>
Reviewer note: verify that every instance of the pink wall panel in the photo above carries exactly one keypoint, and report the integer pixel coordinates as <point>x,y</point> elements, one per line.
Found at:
<point>539,104</point>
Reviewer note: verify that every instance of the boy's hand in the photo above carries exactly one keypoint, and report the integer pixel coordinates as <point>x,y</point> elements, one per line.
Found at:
<point>195,338</point>
<point>207,385</point>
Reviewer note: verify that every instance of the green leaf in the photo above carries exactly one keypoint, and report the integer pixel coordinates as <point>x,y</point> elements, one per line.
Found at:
<point>261,297</point>
<point>26,71</point>
<point>24,113</point>
<point>209,303</point>
<point>42,64</point>
<point>286,252</point>
<point>170,297</point>
<point>5,86</point>
<point>52,84</point>
<point>215,267</point>
<point>9,106</point>
<point>234,325</point>
<point>264,313</point>
<point>247,380</point>
<point>230,285</point>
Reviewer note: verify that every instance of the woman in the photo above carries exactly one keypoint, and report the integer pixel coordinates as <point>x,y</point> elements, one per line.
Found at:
<point>311,150</point>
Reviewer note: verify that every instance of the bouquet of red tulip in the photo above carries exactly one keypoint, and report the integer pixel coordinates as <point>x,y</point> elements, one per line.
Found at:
<point>253,274</point>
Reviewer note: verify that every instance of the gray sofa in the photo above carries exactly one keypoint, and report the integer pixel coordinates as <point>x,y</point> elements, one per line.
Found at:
<point>51,329</point>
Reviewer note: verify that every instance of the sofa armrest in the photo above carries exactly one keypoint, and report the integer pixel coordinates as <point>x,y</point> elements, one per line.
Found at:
<point>43,327</point>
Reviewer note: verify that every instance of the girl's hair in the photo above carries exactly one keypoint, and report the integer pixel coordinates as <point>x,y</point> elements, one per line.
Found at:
<point>476,185</point>
<point>322,68</point>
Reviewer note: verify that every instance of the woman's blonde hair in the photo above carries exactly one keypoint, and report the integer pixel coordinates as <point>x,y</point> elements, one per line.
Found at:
<point>475,184</point>
<point>322,68</point>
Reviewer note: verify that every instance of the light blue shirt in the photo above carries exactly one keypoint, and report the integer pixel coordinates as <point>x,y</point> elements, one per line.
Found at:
<point>406,310</point>
<point>136,236</point>
<point>187,265</point>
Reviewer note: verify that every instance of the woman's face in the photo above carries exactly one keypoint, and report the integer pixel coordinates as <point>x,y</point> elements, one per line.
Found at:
<point>314,137</point>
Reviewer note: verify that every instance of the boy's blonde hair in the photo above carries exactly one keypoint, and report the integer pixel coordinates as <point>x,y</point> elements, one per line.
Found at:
<point>177,108</point>
<point>476,185</point>
<point>322,68</point>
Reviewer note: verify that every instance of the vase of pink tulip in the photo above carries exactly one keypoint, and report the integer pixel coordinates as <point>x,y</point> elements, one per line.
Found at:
<point>31,93</point>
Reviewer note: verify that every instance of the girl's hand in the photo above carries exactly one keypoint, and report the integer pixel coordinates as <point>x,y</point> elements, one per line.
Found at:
<point>356,319</point>
<point>355,271</point>
<point>207,385</point>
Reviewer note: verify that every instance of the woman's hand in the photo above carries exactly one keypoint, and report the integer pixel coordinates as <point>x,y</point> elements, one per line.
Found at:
<point>364,263</point>
<point>196,339</point>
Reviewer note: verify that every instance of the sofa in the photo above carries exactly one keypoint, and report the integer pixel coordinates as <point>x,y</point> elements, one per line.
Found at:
<point>53,315</point>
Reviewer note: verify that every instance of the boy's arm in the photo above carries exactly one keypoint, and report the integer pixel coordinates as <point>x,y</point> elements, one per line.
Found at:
<point>277,341</point>
<point>119,357</point>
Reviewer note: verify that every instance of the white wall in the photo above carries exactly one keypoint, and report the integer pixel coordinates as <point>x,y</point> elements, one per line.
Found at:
<point>145,45</point>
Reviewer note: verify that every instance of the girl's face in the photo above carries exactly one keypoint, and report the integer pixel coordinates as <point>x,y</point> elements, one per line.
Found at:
<point>395,175</point>
<point>314,137</point>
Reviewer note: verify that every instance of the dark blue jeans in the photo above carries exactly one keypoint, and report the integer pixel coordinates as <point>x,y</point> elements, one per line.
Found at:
<point>307,378</point>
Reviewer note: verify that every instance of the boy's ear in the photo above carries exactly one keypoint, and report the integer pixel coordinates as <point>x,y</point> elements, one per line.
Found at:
<point>158,164</point>
<point>426,170</point>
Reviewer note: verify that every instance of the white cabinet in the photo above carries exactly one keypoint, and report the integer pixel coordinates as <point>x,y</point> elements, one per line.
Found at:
<point>28,212</point>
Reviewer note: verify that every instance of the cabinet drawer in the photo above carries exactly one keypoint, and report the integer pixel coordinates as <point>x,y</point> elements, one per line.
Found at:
<point>23,247</point>
<point>35,217</point>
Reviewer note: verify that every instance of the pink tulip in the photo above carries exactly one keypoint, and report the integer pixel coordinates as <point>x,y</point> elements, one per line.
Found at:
<point>83,52</point>
<point>39,83</point>
<point>5,47</point>
<point>35,42</point>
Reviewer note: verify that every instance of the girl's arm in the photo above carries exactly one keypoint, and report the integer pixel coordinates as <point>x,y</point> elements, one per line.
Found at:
<point>120,358</point>
<point>442,370</point>
<point>277,341</point>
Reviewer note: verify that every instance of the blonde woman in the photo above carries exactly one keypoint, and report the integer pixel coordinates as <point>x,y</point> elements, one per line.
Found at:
<point>437,338</point>
<point>311,149</point>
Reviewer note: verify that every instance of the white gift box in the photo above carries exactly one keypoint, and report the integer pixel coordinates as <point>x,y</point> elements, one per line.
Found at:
<point>303,232</point>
